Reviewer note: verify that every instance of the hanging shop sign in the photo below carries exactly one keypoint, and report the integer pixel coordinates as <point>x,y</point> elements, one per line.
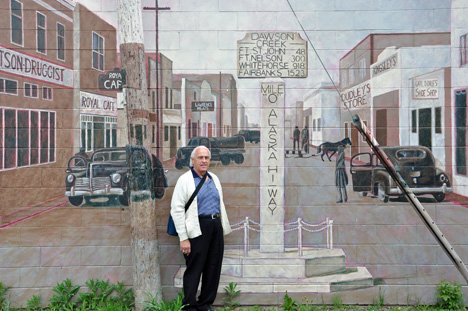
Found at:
<point>112,80</point>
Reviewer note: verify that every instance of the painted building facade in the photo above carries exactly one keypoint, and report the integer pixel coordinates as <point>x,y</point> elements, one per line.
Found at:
<point>96,109</point>
<point>459,99</point>
<point>356,87</point>
<point>323,105</point>
<point>36,98</point>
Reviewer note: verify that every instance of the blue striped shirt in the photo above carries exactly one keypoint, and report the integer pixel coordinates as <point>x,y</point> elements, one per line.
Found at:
<point>207,197</point>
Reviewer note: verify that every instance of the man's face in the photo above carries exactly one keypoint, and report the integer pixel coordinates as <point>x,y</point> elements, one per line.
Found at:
<point>201,162</point>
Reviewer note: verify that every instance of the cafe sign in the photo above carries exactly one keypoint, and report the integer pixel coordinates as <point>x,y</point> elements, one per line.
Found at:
<point>97,104</point>
<point>111,81</point>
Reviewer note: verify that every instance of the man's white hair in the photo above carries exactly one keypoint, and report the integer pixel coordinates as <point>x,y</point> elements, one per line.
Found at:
<point>192,156</point>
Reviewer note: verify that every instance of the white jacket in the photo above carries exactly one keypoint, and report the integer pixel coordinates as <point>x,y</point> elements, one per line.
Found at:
<point>186,223</point>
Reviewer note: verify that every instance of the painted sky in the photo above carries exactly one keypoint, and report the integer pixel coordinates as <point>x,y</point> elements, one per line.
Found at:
<point>201,36</point>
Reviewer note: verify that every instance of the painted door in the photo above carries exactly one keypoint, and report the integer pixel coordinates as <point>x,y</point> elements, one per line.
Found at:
<point>173,141</point>
<point>381,127</point>
<point>424,125</point>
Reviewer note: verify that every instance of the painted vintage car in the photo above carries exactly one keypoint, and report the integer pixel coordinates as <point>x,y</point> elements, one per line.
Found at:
<point>415,164</point>
<point>224,149</point>
<point>251,136</point>
<point>115,172</point>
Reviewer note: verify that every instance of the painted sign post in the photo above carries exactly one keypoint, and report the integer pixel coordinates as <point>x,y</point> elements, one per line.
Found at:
<point>272,167</point>
<point>272,54</point>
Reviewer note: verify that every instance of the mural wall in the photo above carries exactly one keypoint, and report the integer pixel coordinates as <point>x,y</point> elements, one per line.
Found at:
<point>270,87</point>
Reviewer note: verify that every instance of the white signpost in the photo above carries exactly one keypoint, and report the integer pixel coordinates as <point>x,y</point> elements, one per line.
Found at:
<point>272,54</point>
<point>272,167</point>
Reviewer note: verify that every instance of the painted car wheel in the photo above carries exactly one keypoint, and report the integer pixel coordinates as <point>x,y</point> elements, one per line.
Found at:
<point>239,158</point>
<point>124,199</point>
<point>179,165</point>
<point>440,197</point>
<point>75,201</point>
<point>225,159</point>
<point>159,189</point>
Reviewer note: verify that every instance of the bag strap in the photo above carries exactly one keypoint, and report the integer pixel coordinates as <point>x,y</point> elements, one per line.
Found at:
<point>195,192</point>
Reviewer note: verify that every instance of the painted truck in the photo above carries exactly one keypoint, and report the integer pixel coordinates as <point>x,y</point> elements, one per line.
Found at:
<point>224,149</point>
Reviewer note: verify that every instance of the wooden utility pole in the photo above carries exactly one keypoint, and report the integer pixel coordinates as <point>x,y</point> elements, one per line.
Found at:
<point>158,111</point>
<point>144,244</point>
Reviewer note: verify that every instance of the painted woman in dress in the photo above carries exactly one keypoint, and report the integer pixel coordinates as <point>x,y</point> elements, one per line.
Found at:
<point>341,178</point>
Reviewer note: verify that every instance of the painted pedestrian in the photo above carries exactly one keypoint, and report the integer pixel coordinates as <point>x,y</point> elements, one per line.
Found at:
<point>296,136</point>
<point>341,178</point>
<point>305,139</point>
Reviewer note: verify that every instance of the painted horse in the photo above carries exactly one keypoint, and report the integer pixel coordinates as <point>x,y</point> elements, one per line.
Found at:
<point>328,146</point>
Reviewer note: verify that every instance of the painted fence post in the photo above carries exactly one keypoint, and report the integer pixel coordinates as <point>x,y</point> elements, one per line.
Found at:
<point>299,235</point>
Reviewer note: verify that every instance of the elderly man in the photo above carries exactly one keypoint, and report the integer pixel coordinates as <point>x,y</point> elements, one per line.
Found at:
<point>201,230</point>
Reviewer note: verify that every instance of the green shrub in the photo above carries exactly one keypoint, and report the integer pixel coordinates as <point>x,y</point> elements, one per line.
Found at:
<point>449,296</point>
<point>154,305</point>
<point>62,299</point>
<point>289,303</point>
<point>3,289</point>
<point>34,304</point>
<point>231,293</point>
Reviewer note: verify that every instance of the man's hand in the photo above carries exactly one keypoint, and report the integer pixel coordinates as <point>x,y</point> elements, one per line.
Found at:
<point>185,247</point>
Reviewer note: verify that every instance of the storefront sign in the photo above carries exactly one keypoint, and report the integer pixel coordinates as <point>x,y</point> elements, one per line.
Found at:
<point>198,106</point>
<point>357,96</point>
<point>27,66</point>
<point>385,65</point>
<point>425,88</point>
<point>111,81</point>
<point>97,104</point>
<point>272,54</point>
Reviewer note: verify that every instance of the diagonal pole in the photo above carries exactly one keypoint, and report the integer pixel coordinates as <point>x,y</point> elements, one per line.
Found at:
<point>420,210</point>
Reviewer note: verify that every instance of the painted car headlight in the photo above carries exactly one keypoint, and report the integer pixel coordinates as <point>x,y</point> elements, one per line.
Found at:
<point>71,178</point>
<point>116,178</point>
<point>443,178</point>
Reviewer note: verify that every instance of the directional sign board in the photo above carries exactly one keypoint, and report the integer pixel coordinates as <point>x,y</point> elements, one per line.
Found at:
<point>272,54</point>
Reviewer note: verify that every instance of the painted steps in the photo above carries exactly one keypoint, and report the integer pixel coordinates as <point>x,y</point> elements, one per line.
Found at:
<point>317,270</point>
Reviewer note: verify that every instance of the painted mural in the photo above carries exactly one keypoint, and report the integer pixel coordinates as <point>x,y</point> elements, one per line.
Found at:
<point>270,87</point>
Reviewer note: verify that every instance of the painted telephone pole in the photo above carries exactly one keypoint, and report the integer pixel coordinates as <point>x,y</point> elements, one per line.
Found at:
<point>144,243</point>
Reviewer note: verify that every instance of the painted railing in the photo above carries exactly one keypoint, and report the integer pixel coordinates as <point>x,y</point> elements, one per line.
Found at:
<point>299,225</point>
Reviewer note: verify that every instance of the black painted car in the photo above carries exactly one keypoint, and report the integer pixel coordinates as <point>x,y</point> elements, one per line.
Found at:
<point>115,172</point>
<point>416,166</point>
<point>251,136</point>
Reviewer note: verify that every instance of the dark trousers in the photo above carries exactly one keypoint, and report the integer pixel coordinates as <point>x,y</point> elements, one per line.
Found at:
<point>205,261</point>
<point>296,141</point>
